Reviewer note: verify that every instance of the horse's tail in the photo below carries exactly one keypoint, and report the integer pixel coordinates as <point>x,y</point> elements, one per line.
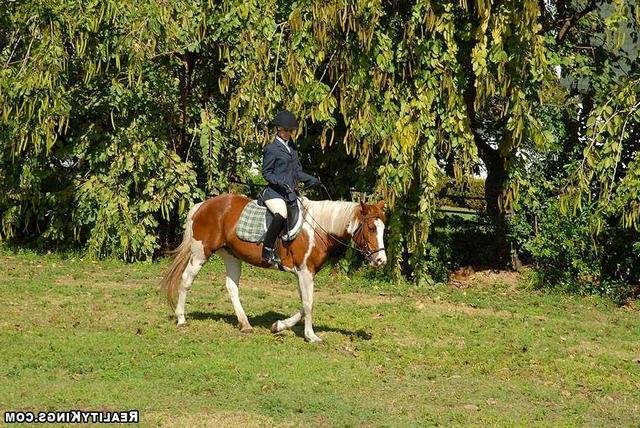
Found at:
<point>179,260</point>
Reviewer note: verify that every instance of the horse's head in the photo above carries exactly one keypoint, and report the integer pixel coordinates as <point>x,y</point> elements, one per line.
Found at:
<point>367,231</point>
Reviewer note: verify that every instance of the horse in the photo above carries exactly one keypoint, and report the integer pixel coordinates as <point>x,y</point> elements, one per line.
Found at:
<point>211,228</point>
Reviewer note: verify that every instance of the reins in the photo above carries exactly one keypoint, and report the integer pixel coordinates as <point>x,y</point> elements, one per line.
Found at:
<point>367,253</point>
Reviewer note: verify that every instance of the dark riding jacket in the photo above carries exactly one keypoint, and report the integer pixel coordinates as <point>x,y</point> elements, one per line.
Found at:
<point>282,170</point>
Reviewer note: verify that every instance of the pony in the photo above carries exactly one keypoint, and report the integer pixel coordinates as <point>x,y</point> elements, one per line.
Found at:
<point>211,228</point>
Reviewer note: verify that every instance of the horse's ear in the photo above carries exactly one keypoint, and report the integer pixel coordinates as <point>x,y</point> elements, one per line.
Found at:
<point>364,207</point>
<point>380,206</point>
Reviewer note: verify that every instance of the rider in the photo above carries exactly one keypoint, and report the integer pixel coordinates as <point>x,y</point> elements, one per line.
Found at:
<point>282,170</point>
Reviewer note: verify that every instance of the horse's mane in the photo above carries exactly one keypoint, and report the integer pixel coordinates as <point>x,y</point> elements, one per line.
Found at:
<point>332,216</point>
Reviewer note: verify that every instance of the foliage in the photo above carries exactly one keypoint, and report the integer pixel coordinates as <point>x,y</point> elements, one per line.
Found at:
<point>608,176</point>
<point>115,116</point>
<point>469,194</point>
<point>99,118</point>
<point>578,217</point>
<point>566,251</point>
<point>459,242</point>
<point>605,79</point>
<point>388,81</point>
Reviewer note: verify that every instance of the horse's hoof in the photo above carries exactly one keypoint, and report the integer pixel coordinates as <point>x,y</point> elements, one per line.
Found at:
<point>181,324</point>
<point>313,339</point>
<point>246,330</point>
<point>274,327</point>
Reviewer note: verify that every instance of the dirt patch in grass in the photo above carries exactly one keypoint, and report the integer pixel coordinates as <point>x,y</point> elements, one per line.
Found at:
<point>208,419</point>
<point>444,307</point>
<point>469,276</point>
<point>596,350</point>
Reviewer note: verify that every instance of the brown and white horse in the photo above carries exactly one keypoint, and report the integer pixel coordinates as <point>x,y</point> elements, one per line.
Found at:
<point>211,228</point>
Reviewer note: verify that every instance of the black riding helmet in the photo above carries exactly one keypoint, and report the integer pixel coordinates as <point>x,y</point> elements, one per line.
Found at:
<point>285,119</point>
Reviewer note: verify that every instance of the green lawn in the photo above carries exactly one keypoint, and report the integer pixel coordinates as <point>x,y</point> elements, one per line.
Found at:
<point>80,334</point>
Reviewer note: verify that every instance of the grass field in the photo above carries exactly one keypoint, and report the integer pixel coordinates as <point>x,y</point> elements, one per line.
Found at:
<point>84,335</point>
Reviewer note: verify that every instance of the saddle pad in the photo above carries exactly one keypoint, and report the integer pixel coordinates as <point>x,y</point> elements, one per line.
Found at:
<point>252,224</point>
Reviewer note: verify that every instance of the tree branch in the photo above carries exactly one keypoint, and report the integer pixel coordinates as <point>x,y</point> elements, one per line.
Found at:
<point>563,21</point>
<point>275,72</point>
<point>570,22</point>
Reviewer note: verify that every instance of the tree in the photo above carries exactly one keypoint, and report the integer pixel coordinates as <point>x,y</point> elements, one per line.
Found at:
<point>405,85</point>
<point>588,238</point>
<point>114,117</point>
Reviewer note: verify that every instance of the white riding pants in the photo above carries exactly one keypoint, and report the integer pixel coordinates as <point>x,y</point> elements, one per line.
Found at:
<point>277,206</point>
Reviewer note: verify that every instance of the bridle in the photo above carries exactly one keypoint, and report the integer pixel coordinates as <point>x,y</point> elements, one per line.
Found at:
<point>368,252</point>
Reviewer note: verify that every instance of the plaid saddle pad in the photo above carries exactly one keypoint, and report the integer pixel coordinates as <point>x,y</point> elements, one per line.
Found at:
<point>254,221</point>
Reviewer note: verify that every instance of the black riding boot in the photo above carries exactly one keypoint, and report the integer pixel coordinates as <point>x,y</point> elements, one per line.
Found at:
<point>269,254</point>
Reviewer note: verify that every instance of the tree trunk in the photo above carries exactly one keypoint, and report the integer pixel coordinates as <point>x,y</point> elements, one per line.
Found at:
<point>494,190</point>
<point>495,162</point>
<point>496,181</point>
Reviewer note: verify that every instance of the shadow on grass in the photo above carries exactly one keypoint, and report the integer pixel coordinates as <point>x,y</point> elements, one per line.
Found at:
<point>266,319</point>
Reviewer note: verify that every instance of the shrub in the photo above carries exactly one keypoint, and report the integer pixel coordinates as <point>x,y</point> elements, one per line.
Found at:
<point>568,255</point>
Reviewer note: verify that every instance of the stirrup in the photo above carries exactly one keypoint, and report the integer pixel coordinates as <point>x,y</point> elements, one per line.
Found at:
<point>269,255</point>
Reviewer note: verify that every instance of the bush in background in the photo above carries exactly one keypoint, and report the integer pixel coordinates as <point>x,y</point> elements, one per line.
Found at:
<point>568,255</point>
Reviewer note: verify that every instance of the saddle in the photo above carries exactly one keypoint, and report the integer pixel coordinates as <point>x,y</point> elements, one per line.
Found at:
<point>256,218</point>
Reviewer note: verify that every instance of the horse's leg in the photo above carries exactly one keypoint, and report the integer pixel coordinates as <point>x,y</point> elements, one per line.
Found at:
<point>294,319</point>
<point>280,325</point>
<point>233,266</point>
<point>305,284</point>
<point>196,261</point>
